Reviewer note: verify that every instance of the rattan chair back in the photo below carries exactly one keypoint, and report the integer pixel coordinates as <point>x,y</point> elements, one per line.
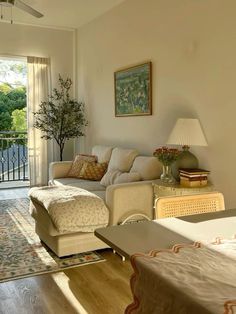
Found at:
<point>188,205</point>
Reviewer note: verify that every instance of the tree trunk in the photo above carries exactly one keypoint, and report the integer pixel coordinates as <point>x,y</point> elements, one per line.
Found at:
<point>61,151</point>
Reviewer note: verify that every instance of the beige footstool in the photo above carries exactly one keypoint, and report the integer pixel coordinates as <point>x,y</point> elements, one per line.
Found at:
<point>46,207</point>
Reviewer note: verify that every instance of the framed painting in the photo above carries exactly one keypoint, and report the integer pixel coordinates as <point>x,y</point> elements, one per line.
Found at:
<point>133,91</point>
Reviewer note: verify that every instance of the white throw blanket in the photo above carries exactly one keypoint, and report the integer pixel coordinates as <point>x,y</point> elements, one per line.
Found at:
<point>71,209</point>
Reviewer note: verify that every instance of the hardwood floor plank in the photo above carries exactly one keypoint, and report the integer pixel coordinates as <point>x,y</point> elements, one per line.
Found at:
<point>107,284</point>
<point>100,288</point>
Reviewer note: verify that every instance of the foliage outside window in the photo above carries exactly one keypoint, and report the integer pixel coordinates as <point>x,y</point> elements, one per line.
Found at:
<point>13,76</point>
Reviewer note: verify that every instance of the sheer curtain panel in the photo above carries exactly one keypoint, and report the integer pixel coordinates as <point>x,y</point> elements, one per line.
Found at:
<point>38,91</point>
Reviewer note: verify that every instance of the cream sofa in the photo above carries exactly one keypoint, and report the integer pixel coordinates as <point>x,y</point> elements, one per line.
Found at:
<point>122,197</point>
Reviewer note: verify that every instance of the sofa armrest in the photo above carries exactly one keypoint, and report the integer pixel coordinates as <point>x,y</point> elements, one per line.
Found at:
<point>126,199</point>
<point>59,169</point>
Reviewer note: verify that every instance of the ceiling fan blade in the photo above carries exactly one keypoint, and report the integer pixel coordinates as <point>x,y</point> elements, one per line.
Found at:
<point>25,7</point>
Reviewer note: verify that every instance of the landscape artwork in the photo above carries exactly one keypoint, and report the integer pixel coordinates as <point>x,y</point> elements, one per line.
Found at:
<point>133,88</point>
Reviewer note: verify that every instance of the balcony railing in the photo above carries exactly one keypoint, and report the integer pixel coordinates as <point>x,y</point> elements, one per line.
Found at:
<point>13,156</point>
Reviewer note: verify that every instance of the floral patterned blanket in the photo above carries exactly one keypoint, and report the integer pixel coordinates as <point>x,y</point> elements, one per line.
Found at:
<point>186,279</point>
<point>71,209</point>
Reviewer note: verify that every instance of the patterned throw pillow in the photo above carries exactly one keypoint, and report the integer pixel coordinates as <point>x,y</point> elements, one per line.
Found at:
<point>77,164</point>
<point>93,170</point>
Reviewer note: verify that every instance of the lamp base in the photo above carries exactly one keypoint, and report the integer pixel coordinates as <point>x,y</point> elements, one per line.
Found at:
<point>185,160</point>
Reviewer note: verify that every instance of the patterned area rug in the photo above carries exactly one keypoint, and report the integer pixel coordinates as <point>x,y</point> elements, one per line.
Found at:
<point>21,252</point>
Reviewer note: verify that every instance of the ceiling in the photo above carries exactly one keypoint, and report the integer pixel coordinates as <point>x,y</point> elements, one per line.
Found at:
<point>62,13</point>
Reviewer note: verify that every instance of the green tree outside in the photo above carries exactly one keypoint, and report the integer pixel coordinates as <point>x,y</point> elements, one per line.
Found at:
<point>10,101</point>
<point>5,88</point>
<point>19,120</point>
<point>13,75</point>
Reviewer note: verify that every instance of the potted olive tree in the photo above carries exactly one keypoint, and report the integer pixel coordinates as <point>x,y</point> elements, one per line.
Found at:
<point>61,118</point>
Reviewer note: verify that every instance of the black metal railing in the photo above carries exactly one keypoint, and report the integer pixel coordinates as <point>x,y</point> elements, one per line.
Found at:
<point>13,156</point>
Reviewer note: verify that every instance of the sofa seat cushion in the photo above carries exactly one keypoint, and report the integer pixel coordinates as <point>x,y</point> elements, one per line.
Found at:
<point>79,183</point>
<point>71,209</point>
<point>101,194</point>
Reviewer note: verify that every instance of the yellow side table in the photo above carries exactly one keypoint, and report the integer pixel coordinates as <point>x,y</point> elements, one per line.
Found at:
<point>162,189</point>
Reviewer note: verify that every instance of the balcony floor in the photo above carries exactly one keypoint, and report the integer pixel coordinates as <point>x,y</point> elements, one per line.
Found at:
<point>13,193</point>
<point>13,184</point>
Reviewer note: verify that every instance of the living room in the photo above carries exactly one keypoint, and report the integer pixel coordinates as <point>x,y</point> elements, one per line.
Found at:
<point>191,45</point>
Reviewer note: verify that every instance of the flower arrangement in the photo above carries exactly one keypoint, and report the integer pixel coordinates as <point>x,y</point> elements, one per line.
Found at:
<point>166,155</point>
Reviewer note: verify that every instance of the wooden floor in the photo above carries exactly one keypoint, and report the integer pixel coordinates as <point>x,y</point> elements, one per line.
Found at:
<point>101,288</point>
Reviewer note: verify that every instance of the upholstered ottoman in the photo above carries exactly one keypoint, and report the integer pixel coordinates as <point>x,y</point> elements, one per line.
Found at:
<point>66,218</point>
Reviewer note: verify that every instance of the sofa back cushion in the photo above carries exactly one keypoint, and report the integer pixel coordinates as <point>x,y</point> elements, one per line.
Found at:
<point>118,177</point>
<point>122,159</point>
<point>127,177</point>
<point>110,177</point>
<point>149,168</point>
<point>103,153</point>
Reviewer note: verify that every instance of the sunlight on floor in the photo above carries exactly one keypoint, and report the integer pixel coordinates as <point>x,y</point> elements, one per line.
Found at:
<point>62,281</point>
<point>29,235</point>
<point>6,194</point>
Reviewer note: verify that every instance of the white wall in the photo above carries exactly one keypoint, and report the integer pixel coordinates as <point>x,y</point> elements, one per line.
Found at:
<point>192,45</point>
<point>41,42</point>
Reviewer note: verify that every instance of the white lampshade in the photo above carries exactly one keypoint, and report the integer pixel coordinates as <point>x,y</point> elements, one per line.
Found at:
<point>187,132</point>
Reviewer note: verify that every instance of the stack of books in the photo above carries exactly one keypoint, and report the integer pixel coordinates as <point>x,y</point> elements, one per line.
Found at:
<point>193,177</point>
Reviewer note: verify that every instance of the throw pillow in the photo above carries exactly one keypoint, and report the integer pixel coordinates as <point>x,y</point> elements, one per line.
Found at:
<point>149,168</point>
<point>127,177</point>
<point>122,159</point>
<point>109,177</point>
<point>77,164</point>
<point>93,170</point>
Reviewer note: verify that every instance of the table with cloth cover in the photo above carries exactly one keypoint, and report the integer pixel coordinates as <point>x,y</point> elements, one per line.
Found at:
<point>179,276</point>
<point>194,279</point>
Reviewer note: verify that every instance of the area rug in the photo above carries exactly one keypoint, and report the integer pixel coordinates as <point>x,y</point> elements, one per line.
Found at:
<point>21,252</point>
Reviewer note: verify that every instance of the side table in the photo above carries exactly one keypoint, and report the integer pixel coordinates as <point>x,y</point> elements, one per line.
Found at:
<point>162,189</point>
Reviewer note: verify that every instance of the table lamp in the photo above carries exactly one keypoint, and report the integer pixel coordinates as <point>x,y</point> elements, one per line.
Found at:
<point>186,132</point>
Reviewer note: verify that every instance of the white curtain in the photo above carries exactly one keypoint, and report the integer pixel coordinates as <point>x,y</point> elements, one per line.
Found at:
<point>38,91</point>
